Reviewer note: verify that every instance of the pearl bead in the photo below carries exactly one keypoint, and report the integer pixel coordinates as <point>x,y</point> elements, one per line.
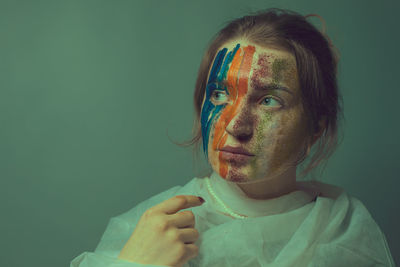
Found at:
<point>228,210</point>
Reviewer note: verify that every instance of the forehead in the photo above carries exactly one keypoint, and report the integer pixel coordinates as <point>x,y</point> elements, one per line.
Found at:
<point>273,51</point>
<point>268,65</point>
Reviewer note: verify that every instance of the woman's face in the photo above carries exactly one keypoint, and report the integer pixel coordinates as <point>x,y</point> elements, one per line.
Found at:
<point>244,107</point>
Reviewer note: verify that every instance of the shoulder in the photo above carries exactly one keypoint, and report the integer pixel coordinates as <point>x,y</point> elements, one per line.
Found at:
<point>342,208</point>
<point>340,202</point>
<point>348,227</point>
<point>322,189</point>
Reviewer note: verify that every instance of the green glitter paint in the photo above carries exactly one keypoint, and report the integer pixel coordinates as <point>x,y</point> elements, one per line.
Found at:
<point>278,68</point>
<point>259,144</point>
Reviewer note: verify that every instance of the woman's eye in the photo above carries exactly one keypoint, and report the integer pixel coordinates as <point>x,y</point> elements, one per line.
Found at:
<point>217,95</point>
<point>267,100</point>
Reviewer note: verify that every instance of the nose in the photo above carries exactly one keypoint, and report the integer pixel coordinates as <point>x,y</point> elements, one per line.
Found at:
<point>241,125</point>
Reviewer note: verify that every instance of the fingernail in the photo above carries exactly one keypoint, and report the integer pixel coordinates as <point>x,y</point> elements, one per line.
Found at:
<point>201,200</point>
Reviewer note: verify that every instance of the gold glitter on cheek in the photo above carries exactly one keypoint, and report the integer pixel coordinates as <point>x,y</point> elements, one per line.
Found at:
<point>280,134</point>
<point>289,142</point>
<point>259,146</point>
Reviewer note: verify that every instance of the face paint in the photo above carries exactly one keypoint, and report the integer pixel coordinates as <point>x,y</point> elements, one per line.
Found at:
<point>238,88</point>
<point>273,134</point>
<point>209,110</point>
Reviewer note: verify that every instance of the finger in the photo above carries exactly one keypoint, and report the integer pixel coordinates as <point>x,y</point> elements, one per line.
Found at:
<point>188,235</point>
<point>177,203</point>
<point>183,219</point>
<point>192,251</point>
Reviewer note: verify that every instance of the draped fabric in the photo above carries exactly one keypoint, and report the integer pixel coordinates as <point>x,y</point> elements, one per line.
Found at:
<point>318,224</point>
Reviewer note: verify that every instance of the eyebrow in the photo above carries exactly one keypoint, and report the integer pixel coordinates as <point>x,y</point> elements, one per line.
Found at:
<point>263,88</point>
<point>268,87</point>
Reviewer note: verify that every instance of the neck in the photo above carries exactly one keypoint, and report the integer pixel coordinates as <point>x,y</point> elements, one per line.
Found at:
<point>274,187</point>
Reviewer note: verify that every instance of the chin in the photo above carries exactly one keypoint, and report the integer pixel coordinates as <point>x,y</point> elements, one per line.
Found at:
<point>236,176</point>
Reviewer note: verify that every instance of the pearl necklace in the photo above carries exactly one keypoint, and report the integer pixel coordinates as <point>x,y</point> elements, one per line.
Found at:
<point>228,210</point>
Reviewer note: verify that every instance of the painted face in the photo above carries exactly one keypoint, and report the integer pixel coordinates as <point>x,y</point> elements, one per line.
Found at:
<point>253,101</point>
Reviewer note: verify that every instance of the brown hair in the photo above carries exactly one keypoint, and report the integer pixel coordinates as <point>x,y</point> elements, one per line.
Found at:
<point>316,60</point>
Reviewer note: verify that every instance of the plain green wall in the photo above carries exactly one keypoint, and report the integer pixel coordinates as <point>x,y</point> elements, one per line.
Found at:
<point>89,89</point>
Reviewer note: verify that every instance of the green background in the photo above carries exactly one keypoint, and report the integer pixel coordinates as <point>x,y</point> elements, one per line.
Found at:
<point>89,89</point>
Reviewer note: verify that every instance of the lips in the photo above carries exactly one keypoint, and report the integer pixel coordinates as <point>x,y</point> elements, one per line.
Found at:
<point>236,150</point>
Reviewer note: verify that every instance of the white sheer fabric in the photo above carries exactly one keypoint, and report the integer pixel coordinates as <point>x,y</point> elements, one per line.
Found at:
<point>296,229</point>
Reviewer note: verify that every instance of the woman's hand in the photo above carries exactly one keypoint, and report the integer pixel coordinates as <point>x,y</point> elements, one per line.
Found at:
<point>163,236</point>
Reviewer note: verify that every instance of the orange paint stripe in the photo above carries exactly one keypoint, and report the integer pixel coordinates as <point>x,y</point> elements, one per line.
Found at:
<point>241,64</point>
<point>233,73</point>
<point>241,82</point>
<point>222,121</point>
<point>227,114</point>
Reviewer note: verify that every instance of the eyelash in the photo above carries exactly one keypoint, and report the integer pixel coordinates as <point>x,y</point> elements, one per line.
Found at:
<point>277,100</point>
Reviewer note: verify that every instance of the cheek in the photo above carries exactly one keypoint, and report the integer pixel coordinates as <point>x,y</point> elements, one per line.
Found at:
<point>216,127</point>
<point>282,140</point>
<point>289,140</point>
<point>209,117</point>
<point>267,138</point>
<point>214,138</point>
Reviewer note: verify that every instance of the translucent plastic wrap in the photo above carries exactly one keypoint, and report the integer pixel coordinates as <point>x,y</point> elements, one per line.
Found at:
<point>296,229</point>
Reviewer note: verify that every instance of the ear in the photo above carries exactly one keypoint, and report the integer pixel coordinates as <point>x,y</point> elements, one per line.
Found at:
<point>321,127</point>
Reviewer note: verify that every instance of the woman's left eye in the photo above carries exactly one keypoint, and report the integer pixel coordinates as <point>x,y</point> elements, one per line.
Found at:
<point>270,99</point>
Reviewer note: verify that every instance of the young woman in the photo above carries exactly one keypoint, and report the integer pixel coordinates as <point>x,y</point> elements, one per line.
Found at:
<point>266,93</point>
